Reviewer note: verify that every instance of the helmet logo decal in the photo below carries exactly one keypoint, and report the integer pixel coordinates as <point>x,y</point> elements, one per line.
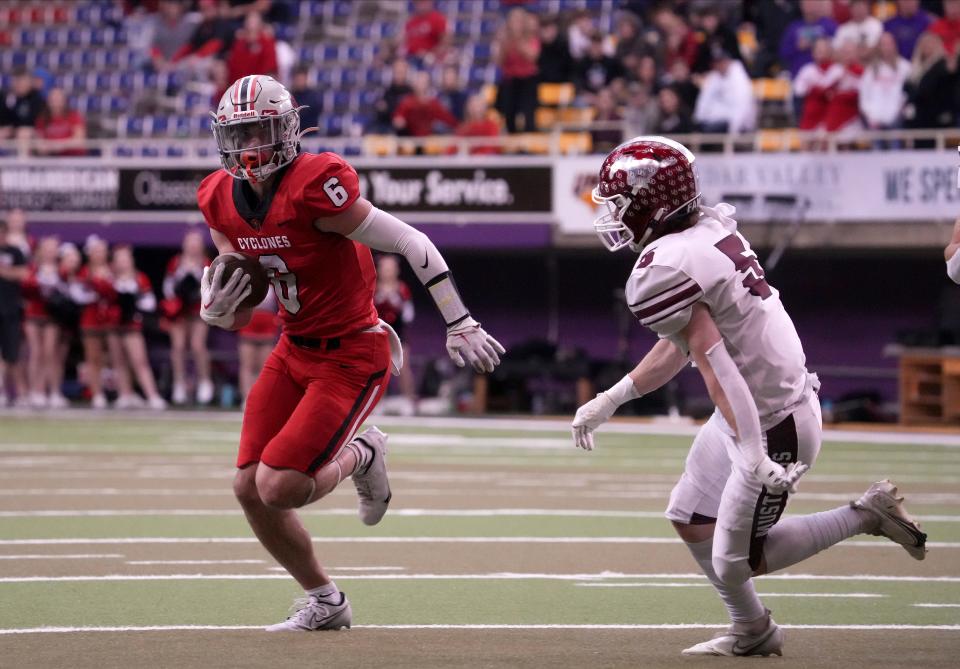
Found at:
<point>639,172</point>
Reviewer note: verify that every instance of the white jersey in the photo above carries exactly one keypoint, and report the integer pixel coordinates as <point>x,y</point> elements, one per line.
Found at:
<point>712,263</point>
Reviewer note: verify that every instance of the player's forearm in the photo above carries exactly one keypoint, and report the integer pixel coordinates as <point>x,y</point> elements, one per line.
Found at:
<point>384,232</point>
<point>663,362</point>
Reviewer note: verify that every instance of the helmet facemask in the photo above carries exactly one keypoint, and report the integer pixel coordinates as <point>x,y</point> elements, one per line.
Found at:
<point>273,142</point>
<point>615,234</point>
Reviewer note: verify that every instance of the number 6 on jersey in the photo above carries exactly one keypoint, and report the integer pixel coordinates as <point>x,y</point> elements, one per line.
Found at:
<point>284,281</point>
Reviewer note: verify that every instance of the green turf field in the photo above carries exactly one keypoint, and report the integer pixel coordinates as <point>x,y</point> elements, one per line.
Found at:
<point>119,535</point>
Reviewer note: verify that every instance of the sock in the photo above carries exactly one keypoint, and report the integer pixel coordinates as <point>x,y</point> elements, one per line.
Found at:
<point>363,455</point>
<point>793,540</point>
<point>743,604</point>
<point>328,591</point>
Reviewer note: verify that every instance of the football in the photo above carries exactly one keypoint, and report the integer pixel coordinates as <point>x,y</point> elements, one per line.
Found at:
<point>238,262</point>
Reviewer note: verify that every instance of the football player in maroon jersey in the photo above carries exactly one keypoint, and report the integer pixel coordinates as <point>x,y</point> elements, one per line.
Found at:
<point>302,216</point>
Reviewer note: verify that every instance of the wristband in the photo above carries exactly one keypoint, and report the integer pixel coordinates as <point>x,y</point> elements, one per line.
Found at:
<point>622,391</point>
<point>447,298</point>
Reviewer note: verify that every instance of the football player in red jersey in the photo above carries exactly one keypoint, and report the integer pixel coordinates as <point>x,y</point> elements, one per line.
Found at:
<point>302,216</point>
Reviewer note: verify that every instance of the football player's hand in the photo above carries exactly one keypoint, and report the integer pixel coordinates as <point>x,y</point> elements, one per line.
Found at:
<point>468,343</point>
<point>589,417</point>
<point>219,301</point>
<point>778,479</point>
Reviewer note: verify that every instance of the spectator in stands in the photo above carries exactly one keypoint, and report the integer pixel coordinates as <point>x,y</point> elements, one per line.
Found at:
<point>813,85</point>
<point>796,47</point>
<point>420,113</point>
<point>680,42</point>
<point>171,32</point>
<point>579,32</point>
<point>211,38</point>
<point>726,103</point>
<point>862,29</point>
<point>479,124</point>
<point>907,26</point>
<point>843,107</point>
<point>679,79</point>
<point>713,32</point>
<point>13,271</point>
<point>516,50</point>
<point>394,303</point>
<point>673,117</point>
<point>881,89</point>
<point>254,50</point>
<point>398,89</point>
<point>596,70</point>
<point>134,298</point>
<point>255,341</point>
<point>770,19</point>
<point>630,42</point>
<point>948,27</point>
<point>181,307</point>
<point>932,77</point>
<point>425,33</point>
<point>61,124</point>
<point>555,62</point>
<point>20,108</point>
<point>451,94</point>
<point>42,331</point>
<point>640,114</point>
<point>606,111</point>
<point>306,95</point>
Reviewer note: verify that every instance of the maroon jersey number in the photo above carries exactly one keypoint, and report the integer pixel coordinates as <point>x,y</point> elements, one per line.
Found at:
<point>745,261</point>
<point>284,282</point>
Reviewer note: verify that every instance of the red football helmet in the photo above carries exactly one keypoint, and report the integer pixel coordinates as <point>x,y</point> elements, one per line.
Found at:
<point>644,183</point>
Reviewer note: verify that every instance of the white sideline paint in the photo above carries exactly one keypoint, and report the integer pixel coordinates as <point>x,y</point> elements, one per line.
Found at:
<point>938,606</point>
<point>69,556</point>
<point>414,540</point>
<point>403,513</point>
<point>853,595</point>
<point>147,562</point>
<point>495,576</point>
<point>679,626</point>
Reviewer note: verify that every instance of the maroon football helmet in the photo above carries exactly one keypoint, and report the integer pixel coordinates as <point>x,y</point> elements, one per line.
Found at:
<point>644,183</point>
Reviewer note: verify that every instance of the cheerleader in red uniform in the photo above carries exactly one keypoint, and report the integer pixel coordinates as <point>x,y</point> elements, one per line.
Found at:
<point>255,341</point>
<point>843,111</point>
<point>181,309</point>
<point>43,332</point>
<point>815,83</point>
<point>135,298</point>
<point>394,304</point>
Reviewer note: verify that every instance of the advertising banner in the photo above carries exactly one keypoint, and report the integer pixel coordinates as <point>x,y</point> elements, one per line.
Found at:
<point>842,187</point>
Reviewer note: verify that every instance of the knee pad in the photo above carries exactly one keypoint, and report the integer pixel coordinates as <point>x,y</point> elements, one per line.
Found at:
<point>731,572</point>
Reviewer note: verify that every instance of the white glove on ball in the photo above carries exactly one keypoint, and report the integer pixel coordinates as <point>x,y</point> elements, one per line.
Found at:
<point>218,301</point>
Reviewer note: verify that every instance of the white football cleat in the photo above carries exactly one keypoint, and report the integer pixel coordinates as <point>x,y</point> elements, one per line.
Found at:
<point>313,613</point>
<point>373,488</point>
<point>895,523</point>
<point>740,644</point>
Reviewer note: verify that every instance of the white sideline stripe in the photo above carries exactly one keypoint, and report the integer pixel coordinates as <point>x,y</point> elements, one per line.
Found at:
<point>853,595</point>
<point>927,605</point>
<point>404,513</point>
<point>679,626</point>
<point>412,540</point>
<point>69,556</point>
<point>495,576</point>
<point>144,562</point>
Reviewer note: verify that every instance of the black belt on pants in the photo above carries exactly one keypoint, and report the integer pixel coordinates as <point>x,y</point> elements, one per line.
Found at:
<point>328,344</point>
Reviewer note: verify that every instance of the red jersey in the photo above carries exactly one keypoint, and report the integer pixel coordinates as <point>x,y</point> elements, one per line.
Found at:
<point>424,32</point>
<point>323,281</point>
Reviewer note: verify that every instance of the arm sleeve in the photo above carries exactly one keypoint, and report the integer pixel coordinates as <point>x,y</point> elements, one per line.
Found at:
<point>742,404</point>
<point>384,232</point>
<point>953,267</point>
<point>662,298</point>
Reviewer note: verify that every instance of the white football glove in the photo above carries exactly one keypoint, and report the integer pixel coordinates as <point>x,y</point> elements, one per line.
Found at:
<point>218,302</point>
<point>589,417</point>
<point>777,479</point>
<point>467,342</point>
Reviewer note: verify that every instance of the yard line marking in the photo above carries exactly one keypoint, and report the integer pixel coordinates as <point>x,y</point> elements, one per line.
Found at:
<point>69,556</point>
<point>415,540</point>
<point>143,562</point>
<point>494,576</point>
<point>677,626</point>
<point>644,585</point>
<point>938,606</point>
<point>404,513</point>
<point>360,569</point>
